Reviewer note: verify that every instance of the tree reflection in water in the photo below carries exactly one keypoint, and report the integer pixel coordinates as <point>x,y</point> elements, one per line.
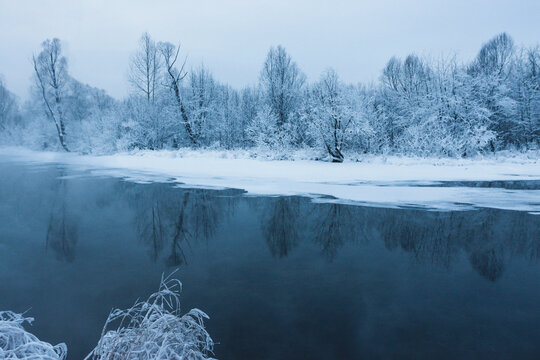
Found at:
<point>488,237</point>
<point>62,234</point>
<point>181,235</point>
<point>280,224</point>
<point>169,220</point>
<point>333,225</point>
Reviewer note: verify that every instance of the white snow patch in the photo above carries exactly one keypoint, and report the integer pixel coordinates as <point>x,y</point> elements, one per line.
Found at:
<point>378,181</point>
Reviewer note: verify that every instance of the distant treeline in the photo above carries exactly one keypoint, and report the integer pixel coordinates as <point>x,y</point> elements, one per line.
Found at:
<point>419,107</point>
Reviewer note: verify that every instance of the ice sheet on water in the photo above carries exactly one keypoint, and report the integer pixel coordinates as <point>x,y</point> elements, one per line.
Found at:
<point>511,184</point>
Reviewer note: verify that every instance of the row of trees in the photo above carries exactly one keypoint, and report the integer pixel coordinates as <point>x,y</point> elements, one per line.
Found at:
<point>419,107</point>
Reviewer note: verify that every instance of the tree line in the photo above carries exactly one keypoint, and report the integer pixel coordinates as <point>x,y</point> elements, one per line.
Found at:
<point>418,107</point>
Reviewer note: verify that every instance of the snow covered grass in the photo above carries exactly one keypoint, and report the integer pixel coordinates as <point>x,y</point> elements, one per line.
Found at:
<point>386,181</point>
<point>155,329</point>
<point>18,344</point>
<point>307,154</point>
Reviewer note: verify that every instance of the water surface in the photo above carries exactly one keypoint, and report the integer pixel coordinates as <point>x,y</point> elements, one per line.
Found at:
<point>280,277</point>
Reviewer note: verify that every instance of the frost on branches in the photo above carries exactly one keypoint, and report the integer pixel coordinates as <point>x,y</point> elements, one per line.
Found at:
<point>419,107</point>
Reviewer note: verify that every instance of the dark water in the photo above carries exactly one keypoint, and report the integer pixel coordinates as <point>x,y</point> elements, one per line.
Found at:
<point>281,278</point>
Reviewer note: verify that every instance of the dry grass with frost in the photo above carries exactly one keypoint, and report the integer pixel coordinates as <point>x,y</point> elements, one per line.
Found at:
<point>18,344</point>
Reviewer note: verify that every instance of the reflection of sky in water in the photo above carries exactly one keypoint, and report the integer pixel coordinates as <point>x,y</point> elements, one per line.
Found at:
<point>280,277</point>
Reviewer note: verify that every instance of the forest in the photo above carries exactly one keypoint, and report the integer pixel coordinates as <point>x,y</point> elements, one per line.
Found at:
<point>420,106</point>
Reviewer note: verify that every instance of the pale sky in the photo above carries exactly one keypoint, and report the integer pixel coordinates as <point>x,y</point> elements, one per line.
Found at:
<point>232,38</point>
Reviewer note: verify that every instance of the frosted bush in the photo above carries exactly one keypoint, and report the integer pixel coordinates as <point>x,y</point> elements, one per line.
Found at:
<point>154,329</point>
<point>18,344</point>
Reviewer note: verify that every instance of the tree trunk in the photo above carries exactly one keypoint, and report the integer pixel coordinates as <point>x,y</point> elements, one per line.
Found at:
<point>187,125</point>
<point>336,154</point>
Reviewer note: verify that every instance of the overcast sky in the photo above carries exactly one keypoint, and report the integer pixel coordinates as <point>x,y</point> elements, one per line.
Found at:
<point>232,37</point>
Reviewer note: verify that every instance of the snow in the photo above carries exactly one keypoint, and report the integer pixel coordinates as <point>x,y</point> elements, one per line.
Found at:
<point>18,344</point>
<point>377,181</point>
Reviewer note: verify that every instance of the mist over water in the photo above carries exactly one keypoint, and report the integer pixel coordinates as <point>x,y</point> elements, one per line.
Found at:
<point>280,277</point>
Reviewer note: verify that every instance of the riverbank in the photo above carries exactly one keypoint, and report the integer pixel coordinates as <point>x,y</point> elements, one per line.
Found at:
<point>506,180</point>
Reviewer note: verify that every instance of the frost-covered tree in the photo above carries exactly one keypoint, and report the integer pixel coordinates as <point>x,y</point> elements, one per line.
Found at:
<point>465,118</point>
<point>150,114</point>
<point>406,88</point>
<point>146,125</point>
<point>419,106</point>
<point>173,81</point>
<point>490,72</point>
<point>95,123</point>
<point>250,105</point>
<point>332,115</point>
<point>405,100</point>
<point>281,81</point>
<point>263,131</point>
<point>495,57</point>
<point>431,109</point>
<point>8,108</point>
<point>87,114</point>
<point>202,97</point>
<point>51,79</point>
<point>229,124</point>
<point>526,88</point>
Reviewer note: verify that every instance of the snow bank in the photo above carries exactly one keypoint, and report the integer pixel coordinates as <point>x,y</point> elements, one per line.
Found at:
<point>378,181</point>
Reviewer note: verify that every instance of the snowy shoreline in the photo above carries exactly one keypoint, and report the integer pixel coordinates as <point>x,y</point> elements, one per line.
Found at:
<point>376,181</point>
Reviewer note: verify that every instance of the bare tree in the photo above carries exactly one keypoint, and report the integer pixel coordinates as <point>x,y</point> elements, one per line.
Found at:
<point>333,119</point>
<point>282,82</point>
<point>170,53</point>
<point>494,56</point>
<point>52,79</point>
<point>144,70</point>
<point>203,98</point>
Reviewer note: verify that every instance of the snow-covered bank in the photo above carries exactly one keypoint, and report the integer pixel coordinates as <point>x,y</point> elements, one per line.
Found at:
<point>378,181</point>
